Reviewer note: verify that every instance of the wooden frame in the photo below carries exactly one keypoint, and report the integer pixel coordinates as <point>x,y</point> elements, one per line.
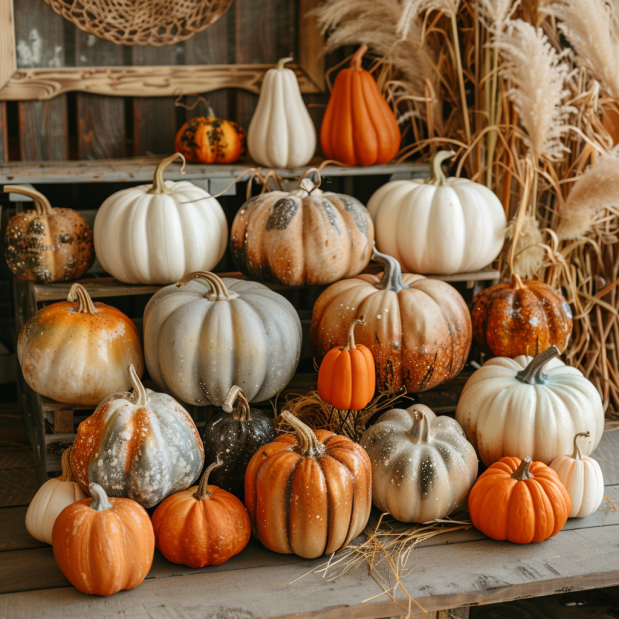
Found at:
<point>151,81</point>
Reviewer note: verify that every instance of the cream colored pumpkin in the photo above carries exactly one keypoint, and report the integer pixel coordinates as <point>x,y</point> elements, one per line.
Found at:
<point>443,225</point>
<point>281,133</point>
<point>582,478</point>
<point>422,465</point>
<point>51,498</point>
<point>155,234</point>
<point>529,407</point>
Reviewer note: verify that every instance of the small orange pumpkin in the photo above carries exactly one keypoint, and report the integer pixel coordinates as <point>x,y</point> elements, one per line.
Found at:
<point>347,376</point>
<point>203,525</point>
<point>359,127</point>
<point>520,501</point>
<point>103,545</point>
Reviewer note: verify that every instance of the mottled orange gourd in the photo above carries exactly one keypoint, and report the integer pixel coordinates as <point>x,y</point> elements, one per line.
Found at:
<point>520,501</point>
<point>347,376</point>
<point>359,127</point>
<point>203,525</point>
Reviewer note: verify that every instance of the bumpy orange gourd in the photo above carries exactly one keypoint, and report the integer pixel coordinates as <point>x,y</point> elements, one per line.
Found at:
<point>359,127</point>
<point>203,525</point>
<point>520,501</point>
<point>103,545</point>
<point>309,494</point>
<point>347,376</point>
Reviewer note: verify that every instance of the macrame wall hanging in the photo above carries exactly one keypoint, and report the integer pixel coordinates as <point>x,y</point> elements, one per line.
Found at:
<point>142,22</point>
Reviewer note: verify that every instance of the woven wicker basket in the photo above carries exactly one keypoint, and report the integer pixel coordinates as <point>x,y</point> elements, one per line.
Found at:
<point>142,22</point>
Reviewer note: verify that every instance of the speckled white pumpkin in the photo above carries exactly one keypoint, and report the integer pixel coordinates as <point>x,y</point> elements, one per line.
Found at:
<point>422,465</point>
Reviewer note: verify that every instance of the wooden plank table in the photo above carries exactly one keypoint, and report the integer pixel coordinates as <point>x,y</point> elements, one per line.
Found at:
<point>452,571</point>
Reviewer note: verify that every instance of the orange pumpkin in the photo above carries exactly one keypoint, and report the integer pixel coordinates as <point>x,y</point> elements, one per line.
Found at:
<point>359,127</point>
<point>211,140</point>
<point>308,494</point>
<point>103,545</point>
<point>347,376</point>
<point>203,525</point>
<point>520,501</point>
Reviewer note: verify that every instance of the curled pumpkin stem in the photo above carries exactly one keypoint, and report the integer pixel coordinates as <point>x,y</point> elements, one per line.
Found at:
<point>203,492</point>
<point>306,438</point>
<point>78,294</point>
<point>577,455</point>
<point>242,412</point>
<point>350,340</point>
<point>355,63</point>
<point>522,473</point>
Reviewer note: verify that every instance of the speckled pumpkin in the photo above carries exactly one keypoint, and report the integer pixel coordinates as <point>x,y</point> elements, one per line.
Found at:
<point>418,330</point>
<point>141,445</point>
<point>520,318</point>
<point>47,244</point>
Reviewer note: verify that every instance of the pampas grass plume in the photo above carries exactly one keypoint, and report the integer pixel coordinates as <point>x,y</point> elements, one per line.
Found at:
<point>529,250</point>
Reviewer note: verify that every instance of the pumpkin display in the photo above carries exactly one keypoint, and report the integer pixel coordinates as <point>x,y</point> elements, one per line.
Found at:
<point>210,140</point>
<point>309,494</point>
<point>51,498</point>
<point>418,330</point>
<point>529,406</point>
<point>103,545</point>
<point>582,478</point>
<point>443,225</point>
<point>347,376</point>
<point>520,501</point>
<point>306,237</point>
<point>77,351</point>
<point>47,244</point>
<point>281,133</point>
<point>359,127</point>
<point>422,465</point>
<point>235,432</point>
<point>207,334</point>
<point>155,234</point>
<point>203,525</point>
<point>141,445</point>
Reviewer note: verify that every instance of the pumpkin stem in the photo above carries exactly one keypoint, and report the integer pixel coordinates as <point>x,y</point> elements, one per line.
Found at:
<point>355,63</point>
<point>438,176</point>
<point>516,282</point>
<point>420,430</point>
<point>219,292</point>
<point>350,340</point>
<point>203,493</point>
<point>78,294</point>
<point>306,176</point>
<point>41,203</point>
<point>306,438</point>
<point>65,463</point>
<point>282,61</point>
<point>522,473</point>
<point>243,411</point>
<point>210,112</point>
<point>392,277</point>
<point>533,374</point>
<point>159,185</point>
<point>577,455</point>
<point>99,502</point>
<point>139,397</point>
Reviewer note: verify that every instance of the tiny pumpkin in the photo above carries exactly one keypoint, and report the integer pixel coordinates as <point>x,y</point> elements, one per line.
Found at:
<point>203,525</point>
<point>520,501</point>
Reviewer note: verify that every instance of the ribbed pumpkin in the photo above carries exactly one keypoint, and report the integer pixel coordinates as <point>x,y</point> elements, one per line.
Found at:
<point>104,545</point>
<point>347,376</point>
<point>47,244</point>
<point>77,351</point>
<point>359,127</point>
<point>418,329</point>
<point>309,494</point>
<point>141,445</point>
<point>520,501</point>
<point>203,525</point>
<point>307,237</point>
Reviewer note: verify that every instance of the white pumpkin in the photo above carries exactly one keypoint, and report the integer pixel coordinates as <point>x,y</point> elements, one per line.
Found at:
<point>582,478</point>
<point>529,406</point>
<point>443,225</point>
<point>155,234</point>
<point>281,133</point>
<point>422,465</point>
<point>51,498</point>
<point>205,335</point>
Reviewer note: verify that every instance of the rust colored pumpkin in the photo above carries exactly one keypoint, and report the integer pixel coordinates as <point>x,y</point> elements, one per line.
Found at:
<point>211,140</point>
<point>47,244</point>
<point>359,127</point>
<point>309,494</point>
<point>520,318</point>
<point>103,545</point>
<point>520,501</point>
<point>347,376</point>
<point>203,525</point>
